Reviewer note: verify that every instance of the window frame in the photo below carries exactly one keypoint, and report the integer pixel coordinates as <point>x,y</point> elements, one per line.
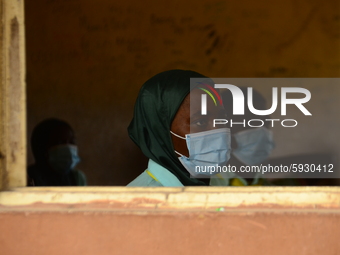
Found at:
<point>13,156</point>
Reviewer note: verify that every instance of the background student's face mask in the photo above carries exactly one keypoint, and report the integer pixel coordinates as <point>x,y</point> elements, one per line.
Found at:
<point>253,145</point>
<point>63,158</point>
<point>208,148</point>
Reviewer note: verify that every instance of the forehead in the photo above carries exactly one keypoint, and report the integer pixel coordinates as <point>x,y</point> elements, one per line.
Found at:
<point>195,100</point>
<point>192,103</point>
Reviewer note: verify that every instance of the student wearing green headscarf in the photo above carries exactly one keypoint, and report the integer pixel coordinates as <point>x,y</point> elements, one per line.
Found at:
<point>173,136</point>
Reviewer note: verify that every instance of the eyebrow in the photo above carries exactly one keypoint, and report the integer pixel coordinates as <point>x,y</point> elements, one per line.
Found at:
<point>197,113</point>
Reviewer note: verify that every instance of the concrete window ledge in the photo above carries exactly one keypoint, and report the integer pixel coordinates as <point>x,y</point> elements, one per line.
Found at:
<point>218,199</point>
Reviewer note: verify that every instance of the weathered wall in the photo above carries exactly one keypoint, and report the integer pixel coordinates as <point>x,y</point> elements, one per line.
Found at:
<point>192,220</point>
<point>143,221</point>
<point>86,61</point>
<point>198,233</point>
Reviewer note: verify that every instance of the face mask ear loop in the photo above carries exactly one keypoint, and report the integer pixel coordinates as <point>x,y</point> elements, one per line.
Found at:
<point>177,135</point>
<point>181,138</point>
<point>180,154</point>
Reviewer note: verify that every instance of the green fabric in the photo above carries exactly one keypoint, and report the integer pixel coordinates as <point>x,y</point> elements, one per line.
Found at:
<point>155,108</point>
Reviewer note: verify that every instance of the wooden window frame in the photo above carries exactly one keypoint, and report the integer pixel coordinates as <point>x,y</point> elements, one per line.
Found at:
<point>13,156</point>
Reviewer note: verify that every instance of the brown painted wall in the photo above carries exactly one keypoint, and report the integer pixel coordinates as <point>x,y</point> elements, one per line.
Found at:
<point>108,226</point>
<point>200,233</point>
<point>114,220</point>
<point>86,61</point>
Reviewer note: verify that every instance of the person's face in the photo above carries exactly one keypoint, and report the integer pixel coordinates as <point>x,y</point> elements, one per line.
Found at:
<point>186,121</point>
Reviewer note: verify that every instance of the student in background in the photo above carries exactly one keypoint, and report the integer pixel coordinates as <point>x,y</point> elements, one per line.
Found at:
<point>56,156</point>
<point>250,145</point>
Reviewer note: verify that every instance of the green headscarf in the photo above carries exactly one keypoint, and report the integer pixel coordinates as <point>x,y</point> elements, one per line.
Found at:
<point>158,101</point>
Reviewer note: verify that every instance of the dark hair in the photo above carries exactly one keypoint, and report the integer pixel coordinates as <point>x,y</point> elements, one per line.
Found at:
<point>41,134</point>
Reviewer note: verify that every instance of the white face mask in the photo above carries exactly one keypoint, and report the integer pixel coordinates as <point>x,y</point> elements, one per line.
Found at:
<point>206,149</point>
<point>253,145</point>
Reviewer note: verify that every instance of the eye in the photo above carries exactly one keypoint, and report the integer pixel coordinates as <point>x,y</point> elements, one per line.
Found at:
<point>200,122</point>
